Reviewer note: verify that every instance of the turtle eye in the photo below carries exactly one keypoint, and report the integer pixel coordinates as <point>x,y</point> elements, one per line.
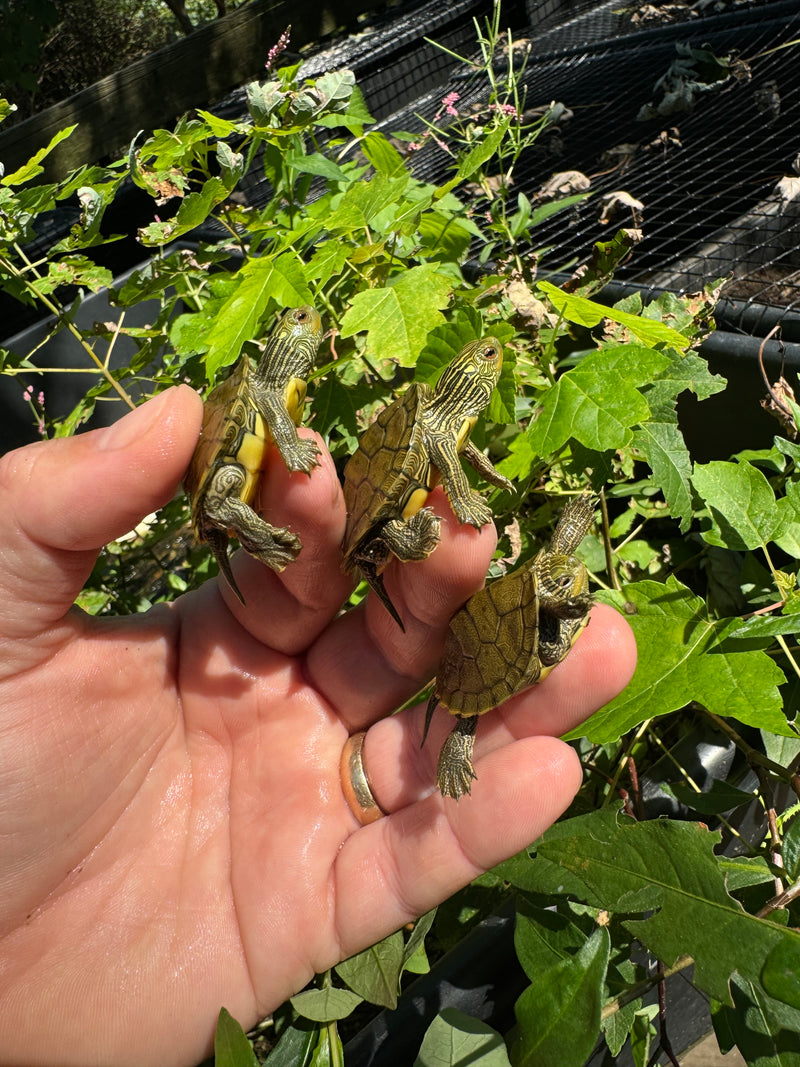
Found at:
<point>301,316</point>
<point>490,352</point>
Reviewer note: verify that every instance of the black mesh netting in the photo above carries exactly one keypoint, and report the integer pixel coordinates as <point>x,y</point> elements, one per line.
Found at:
<point>709,179</point>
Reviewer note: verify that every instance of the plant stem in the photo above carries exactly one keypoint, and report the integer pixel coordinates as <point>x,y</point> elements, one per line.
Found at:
<point>65,320</point>
<point>753,756</point>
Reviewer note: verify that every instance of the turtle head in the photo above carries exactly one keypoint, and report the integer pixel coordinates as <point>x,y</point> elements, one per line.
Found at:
<point>302,326</point>
<point>468,380</point>
<point>562,584</point>
<point>291,348</point>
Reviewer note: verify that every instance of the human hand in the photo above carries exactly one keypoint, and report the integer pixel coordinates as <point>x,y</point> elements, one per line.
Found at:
<point>175,836</point>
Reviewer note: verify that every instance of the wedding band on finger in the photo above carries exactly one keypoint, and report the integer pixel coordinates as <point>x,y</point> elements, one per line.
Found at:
<point>355,784</point>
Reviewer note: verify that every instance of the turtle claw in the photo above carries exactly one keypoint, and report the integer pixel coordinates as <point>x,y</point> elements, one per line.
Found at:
<point>472,511</point>
<point>303,456</point>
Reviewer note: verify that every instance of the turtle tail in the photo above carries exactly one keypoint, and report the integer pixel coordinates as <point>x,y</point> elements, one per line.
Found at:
<point>432,702</point>
<point>218,543</point>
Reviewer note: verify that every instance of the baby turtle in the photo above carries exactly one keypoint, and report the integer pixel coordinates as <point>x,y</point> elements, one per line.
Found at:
<point>242,416</point>
<point>508,636</point>
<point>414,444</point>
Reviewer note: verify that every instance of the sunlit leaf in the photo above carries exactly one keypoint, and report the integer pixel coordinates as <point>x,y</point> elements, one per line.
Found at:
<point>399,317</point>
<point>454,1039</point>
<point>682,657</point>
<point>668,870</point>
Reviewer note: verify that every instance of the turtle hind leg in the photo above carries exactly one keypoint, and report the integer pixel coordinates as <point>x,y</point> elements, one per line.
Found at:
<point>273,545</point>
<point>454,772</point>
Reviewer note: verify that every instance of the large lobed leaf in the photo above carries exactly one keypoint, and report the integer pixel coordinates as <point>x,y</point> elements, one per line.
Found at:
<point>668,869</point>
<point>683,656</point>
<point>398,318</point>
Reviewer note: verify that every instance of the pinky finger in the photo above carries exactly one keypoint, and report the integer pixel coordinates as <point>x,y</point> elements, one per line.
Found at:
<point>418,856</point>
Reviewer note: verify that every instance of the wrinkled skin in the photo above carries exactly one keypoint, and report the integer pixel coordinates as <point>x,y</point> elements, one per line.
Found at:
<point>174,833</point>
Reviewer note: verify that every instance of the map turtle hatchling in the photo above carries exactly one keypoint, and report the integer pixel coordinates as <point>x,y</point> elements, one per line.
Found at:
<point>242,416</point>
<point>508,636</point>
<point>414,444</point>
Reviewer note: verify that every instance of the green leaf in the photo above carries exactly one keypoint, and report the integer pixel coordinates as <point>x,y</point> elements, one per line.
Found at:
<point>294,1046</point>
<point>261,281</point>
<point>454,1040</point>
<point>362,201</point>
<point>543,938</point>
<point>382,155</point>
<point>781,972</point>
<point>681,657</point>
<point>558,1015</point>
<point>768,626</point>
<point>444,236</point>
<point>743,871</point>
<point>31,169</point>
<point>325,1005</point>
<point>764,1030</point>
<point>669,868</point>
<point>665,450</point>
<point>618,1025</point>
<point>399,317</point>
<point>742,505</point>
<point>416,942</point>
<point>721,797</point>
<point>231,1046</point>
<point>597,402</point>
<point>476,158</point>
<point>375,973</point>
<point>585,312</point>
<point>315,163</point>
<point>689,372</point>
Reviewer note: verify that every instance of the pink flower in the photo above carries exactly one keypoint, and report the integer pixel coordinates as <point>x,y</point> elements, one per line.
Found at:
<point>447,103</point>
<point>276,49</point>
<point>505,109</point>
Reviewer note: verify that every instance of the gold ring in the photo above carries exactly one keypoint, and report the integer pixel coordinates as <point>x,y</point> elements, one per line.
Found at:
<point>355,784</point>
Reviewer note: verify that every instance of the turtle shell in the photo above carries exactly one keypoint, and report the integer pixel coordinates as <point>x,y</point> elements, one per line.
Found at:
<point>390,474</point>
<point>233,431</point>
<point>490,651</point>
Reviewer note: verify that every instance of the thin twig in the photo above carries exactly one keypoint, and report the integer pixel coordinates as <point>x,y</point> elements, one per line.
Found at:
<point>612,573</point>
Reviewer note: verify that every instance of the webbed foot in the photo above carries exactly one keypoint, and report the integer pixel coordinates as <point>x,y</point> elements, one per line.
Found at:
<point>454,771</point>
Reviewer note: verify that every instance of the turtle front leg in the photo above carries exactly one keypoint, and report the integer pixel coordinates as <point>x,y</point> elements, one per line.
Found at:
<point>454,771</point>
<point>298,454</point>
<point>484,466</point>
<point>468,506</point>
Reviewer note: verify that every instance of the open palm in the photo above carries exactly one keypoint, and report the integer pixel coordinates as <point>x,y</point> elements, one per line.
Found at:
<point>174,832</point>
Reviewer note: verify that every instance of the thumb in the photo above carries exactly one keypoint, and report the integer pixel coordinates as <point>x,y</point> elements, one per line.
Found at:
<point>62,500</point>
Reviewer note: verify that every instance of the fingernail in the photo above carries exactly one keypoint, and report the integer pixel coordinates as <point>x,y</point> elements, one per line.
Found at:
<point>132,426</point>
